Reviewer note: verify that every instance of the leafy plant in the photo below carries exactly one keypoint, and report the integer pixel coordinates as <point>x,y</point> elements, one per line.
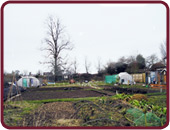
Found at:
<point>135,103</point>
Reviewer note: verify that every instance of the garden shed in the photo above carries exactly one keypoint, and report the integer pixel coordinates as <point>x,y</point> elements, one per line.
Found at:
<point>28,81</point>
<point>139,78</point>
<point>125,78</point>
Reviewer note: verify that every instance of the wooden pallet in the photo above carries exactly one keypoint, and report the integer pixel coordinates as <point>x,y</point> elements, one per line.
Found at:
<point>158,86</point>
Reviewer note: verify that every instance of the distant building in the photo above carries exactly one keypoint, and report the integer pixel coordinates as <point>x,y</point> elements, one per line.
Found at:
<point>48,77</point>
<point>157,74</point>
<point>158,65</point>
<point>47,73</point>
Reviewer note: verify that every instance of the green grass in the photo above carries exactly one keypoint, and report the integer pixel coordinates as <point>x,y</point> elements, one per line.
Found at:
<point>65,99</point>
<point>61,85</point>
<point>133,86</point>
<point>66,84</point>
<point>15,111</point>
<point>159,100</point>
<point>156,94</point>
<point>78,84</point>
<point>58,84</point>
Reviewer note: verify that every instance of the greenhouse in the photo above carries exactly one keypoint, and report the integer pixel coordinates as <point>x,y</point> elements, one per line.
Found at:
<point>28,81</point>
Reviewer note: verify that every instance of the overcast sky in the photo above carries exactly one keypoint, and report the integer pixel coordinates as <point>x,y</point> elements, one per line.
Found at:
<point>108,31</point>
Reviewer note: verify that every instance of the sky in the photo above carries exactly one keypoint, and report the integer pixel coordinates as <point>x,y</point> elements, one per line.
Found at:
<point>105,31</point>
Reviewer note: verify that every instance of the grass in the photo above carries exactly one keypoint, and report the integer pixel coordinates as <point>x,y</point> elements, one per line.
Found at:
<point>66,99</point>
<point>78,84</point>
<point>159,100</point>
<point>156,94</point>
<point>63,85</point>
<point>133,86</point>
<point>15,111</point>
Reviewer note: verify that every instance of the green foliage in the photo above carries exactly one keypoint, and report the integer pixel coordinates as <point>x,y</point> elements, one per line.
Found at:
<point>150,106</point>
<point>123,96</point>
<point>135,103</point>
<point>159,100</point>
<point>141,61</point>
<point>65,99</point>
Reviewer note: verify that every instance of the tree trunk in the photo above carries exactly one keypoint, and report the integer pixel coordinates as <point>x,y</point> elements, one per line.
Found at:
<point>55,70</point>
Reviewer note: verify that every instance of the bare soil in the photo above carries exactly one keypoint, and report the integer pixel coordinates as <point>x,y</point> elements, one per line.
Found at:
<point>48,114</point>
<point>62,92</point>
<point>129,90</point>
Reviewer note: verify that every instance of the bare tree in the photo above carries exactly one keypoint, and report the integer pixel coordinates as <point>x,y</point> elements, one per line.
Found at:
<point>150,60</point>
<point>131,59</point>
<point>57,42</point>
<point>68,69</point>
<point>163,49</point>
<point>75,65</point>
<point>87,65</point>
<point>123,59</point>
<point>99,64</point>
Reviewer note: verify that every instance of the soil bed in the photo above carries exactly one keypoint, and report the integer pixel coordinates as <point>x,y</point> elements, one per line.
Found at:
<point>55,88</point>
<point>129,90</point>
<point>53,93</point>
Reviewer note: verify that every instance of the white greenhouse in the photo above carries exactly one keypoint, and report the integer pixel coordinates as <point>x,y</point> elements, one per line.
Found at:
<point>28,81</point>
<point>125,78</point>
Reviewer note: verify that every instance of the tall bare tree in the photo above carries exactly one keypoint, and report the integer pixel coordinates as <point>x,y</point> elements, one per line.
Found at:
<point>75,65</point>
<point>57,42</point>
<point>99,65</point>
<point>87,65</point>
<point>150,60</point>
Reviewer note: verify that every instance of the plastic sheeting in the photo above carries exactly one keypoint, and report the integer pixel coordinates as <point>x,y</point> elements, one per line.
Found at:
<point>111,78</point>
<point>125,78</point>
<point>28,81</point>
